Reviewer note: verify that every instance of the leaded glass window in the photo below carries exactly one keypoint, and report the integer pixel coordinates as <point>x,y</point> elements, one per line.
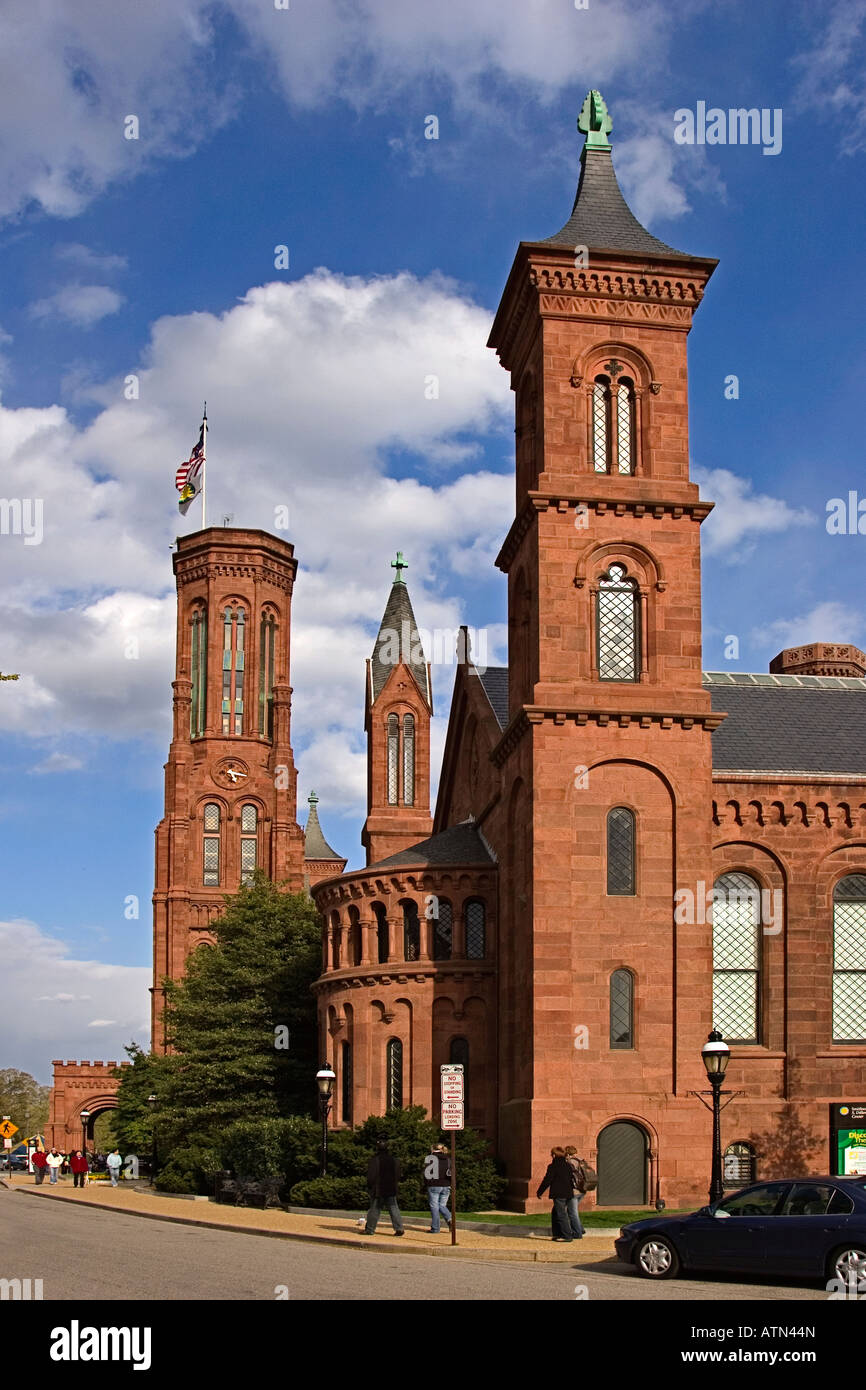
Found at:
<point>408,759</point>
<point>355,945</point>
<point>381,932</point>
<point>249,838</point>
<point>474,916</point>
<point>442,930</point>
<point>234,627</point>
<point>622,1009</point>
<point>411,932</point>
<point>458,1053</point>
<point>211,874</point>
<point>620,852</point>
<point>394,1061</point>
<point>346,1069</point>
<point>625,433</point>
<point>393,758</point>
<point>739,1167</point>
<point>600,423</point>
<point>618,626</point>
<point>212,816</point>
<point>267,651</point>
<point>736,957</point>
<point>198,674</point>
<point>849,959</point>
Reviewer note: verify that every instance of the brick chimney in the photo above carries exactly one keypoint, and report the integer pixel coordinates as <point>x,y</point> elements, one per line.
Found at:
<point>820,659</point>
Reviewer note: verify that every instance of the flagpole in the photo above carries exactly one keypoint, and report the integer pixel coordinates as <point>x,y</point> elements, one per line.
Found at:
<point>204,469</point>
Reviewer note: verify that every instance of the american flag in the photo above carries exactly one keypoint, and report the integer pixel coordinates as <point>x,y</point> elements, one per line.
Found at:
<point>192,465</point>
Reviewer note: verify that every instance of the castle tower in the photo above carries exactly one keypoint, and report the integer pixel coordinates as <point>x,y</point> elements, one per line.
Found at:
<point>606,758</point>
<point>399,704</point>
<point>320,860</point>
<point>230,779</point>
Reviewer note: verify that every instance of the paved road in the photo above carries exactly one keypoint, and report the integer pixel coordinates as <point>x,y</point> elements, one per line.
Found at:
<point>82,1253</point>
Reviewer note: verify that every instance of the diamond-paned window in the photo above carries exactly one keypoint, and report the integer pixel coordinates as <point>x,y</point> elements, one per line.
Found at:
<point>394,1063</point>
<point>625,427</point>
<point>381,932</point>
<point>442,929</point>
<point>249,840</point>
<point>198,673</point>
<point>618,626</point>
<point>849,959</point>
<point>393,758</point>
<point>736,957</point>
<point>248,820</point>
<point>475,918</point>
<point>408,759</point>
<point>212,816</point>
<point>211,875</point>
<point>411,932</point>
<point>739,1165</point>
<point>234,627</point>
<point>620,852</point>
<point>600,423</point>
<point>622,1009</point>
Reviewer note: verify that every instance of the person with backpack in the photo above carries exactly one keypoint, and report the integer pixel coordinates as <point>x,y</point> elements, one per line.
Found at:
<point>437,1180</point>
<point>559,1180</point>
<point>585,1180</point>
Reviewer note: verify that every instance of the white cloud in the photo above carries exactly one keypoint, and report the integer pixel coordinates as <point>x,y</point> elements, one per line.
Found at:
<point>102,1023</point>
<point>83,305</point>
<point>832,73</point>
<point>94,262</point>
<point>826,622</point>
<point>58,762</point>
<point>740,516</point>
<point>39,967</point>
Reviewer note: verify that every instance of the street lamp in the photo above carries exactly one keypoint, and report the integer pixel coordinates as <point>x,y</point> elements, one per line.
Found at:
<point>325,1079</point>
<point>716,1053</point>
<point>151,1100</point>
<point>85,1116</point>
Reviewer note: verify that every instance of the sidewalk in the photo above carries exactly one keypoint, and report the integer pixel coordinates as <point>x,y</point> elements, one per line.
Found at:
<point>323,1229</point>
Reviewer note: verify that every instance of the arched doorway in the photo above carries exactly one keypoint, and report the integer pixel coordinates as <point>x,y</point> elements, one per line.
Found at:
<point>623,1163</point>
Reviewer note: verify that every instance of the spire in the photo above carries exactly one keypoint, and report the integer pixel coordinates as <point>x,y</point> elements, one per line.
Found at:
<point>398,639</point>
<point>315,844</point>
<point>601,219</point>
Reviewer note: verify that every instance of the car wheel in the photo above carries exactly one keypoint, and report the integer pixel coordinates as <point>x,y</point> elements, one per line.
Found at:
<point>849,1265</point>
<point>656,1258</point>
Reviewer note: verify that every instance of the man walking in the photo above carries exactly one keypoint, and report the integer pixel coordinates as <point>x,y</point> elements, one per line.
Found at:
<point>383,1179</point>
<point>559,1181</point>
<point>437,1180</point>
<point>78,1164</point>
<point>577,1174</point>
<point>39,1159</point>
<point>115,1163</point>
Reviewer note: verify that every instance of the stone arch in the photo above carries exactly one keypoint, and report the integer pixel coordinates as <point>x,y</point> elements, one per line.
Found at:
<point>624,1162</point>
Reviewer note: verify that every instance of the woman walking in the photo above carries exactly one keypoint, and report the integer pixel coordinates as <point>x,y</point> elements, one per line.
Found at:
<point>78,1164</point>
<point>560,1183</point>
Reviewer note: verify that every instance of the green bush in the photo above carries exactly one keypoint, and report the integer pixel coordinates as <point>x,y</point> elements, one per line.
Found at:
<point>189,1169</point>
<point>331,1193</point>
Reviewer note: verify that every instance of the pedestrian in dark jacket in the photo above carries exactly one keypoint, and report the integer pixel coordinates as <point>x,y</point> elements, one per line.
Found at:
<point>574,1163</point>
<point>558,1180</point>
<point>78,1164</point>
<point>437,1180</point>
<point>39,1159</point>
<point>383,1179</point>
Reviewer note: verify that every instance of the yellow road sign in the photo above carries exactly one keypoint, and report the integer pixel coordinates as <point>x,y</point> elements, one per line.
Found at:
<point>7,1129</point>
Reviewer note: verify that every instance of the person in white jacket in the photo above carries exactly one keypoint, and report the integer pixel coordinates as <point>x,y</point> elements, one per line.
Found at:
<point>55,1163</point>
<point>115,1163</point>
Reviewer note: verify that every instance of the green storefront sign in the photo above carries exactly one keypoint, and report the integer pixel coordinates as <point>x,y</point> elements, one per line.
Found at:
<point>849,1132</point>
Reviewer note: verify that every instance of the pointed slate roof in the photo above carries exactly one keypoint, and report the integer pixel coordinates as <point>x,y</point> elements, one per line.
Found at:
<point>601,219</point>
<point>398,638</point>
<point>315,844</point>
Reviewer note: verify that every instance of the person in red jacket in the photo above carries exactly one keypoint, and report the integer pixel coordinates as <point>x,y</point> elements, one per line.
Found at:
<point>40,1163</point>
<point>78,1164</point>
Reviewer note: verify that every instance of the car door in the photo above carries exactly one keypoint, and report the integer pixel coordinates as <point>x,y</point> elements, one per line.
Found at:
<point>733,1239</point>
<point>813,1220</point>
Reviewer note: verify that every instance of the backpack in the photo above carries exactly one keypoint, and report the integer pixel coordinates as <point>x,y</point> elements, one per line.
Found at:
<point>587,1177</point>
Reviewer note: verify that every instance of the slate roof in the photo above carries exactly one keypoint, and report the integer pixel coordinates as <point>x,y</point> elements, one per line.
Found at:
<point>459,844</point>
<point>495,682</point>
<point>315,844</point>
<point>602,220</point>
<point>789,724</point>
<point>395,641</point>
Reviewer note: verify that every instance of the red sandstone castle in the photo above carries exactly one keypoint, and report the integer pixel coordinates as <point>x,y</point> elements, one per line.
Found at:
<point>625,851</point>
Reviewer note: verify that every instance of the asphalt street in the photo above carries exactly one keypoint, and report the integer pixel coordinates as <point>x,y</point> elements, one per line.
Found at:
<point>84,1254</point>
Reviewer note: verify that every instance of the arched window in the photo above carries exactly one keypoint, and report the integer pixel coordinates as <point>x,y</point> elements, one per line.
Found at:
<point>234,629</point>
<point>474,917</point>
<point>849,959</point>
<point>354,936</point>
<point>736,957</point>
<point>198,674</point>
<point>527,404</point>
<point>622,1009</point>
<point>614,423</point>
<point>739,1167</point>
<point>346,1078</point>
<point>442,929</point>
<point>458,1052</point>
<point>620,852</point>
<point>249,841</point>
<point>618,626</point>
<point>394,1080</point>
<point>393,759</point>
<point>411,931</point>
<point>336,938</point>
<point>267,656</point>
<point>381,932</point>
<point>408,760</point>
<point>211,846</point>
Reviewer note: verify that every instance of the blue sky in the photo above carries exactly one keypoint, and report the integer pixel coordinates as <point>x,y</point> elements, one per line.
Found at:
<point>305,127</point>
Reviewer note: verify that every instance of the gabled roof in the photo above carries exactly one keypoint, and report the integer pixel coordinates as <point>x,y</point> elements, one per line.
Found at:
<point>398,640</point>
<point>459,844</point>
<point>789,724</point>
<point>315,844</point>
<point>495,682</point>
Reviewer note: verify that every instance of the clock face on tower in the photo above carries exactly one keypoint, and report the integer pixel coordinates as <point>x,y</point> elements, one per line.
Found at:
<point>231,772</point>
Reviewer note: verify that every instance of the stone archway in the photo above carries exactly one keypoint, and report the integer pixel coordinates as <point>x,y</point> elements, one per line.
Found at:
<point>79,1086</point>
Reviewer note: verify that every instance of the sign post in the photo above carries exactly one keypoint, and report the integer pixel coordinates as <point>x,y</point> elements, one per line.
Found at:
<point>451,1074</point>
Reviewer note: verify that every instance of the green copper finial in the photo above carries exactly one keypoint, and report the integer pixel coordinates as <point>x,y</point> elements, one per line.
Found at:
<point>398,565</point>
<point>594,121</point>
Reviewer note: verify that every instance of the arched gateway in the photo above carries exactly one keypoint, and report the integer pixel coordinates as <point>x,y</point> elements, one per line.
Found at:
<point>90,1086</point>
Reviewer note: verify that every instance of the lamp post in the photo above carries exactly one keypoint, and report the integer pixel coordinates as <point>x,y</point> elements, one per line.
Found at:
<point>151,1100</point>
<point>325,1079</point>
<point>85,1116</point>
<point>715,1053</point>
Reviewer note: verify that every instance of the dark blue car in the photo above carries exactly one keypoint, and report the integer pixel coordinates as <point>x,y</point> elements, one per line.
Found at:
<point>811,1228</point>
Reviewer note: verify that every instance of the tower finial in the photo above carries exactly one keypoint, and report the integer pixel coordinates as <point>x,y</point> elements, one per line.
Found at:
<point>398,565</point>
<point>312,799</point>
<point>595,122</point>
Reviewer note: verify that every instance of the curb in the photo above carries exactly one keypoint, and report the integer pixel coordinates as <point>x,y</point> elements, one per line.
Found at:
<point>346,1242</point>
